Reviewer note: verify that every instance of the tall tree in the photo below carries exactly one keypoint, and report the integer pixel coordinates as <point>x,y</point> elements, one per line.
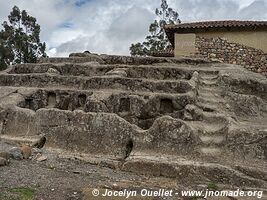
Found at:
<point>157,39</point>
<point>20,39</point>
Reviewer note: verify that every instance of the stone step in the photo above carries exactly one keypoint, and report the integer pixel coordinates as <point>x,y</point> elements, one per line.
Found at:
<point>214,139</point>
<point>208,73</point>
<point>105,59</point>
<point>70,60</point>
<point>207,107</point>
<point>211,100</point>
<point>94,69</point>
<point>184,169</point>
<point>7,91</point>
<point>87,83</point>
<point>209,82</point>
<point>209,95</point>
<point>116,59</point>
<point>207,128</point>
<point>19,139</point>
<point>209,90</point>
<point>216,118</point>
<point>212,123</point>
<point>210,151</point>
<point>209,77</point>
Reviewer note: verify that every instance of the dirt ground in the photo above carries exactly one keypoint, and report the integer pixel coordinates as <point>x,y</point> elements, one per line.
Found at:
<point>60,178</point>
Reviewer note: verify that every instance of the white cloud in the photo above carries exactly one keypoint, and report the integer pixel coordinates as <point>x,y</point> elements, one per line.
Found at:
<point>117,37</point>
<point>64,35</point>
<point>202,10</point>
<point>110,26</point>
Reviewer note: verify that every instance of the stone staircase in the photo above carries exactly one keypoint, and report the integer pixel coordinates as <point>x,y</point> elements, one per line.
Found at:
<point>213,127</point>
<point>213,136</point>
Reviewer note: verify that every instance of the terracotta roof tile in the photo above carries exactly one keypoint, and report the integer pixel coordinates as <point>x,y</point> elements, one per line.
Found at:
<point>217,24</point>
<point>206,26</point>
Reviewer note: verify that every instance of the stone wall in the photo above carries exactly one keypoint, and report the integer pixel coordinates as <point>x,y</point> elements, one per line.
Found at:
<point>164,53</point>
<point>233,53</point>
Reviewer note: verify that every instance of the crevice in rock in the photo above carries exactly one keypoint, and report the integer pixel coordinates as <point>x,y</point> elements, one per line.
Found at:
<point>29,103</point>
<point>128,148</point>
<point>81,100</point>
<point>208,109</point>
<point>166,106</point>
<point>124,105</point>
<point>4,123</point>
<point>40,143</point>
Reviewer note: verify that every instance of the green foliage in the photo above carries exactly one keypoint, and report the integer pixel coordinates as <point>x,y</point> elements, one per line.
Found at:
<point>23,193</point>
<point>20,40</point>
<point>157,39</point>
<point>212,186</point>
<point>17,193</point>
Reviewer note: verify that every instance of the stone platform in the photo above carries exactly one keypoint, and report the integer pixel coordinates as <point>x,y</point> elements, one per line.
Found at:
<point>181,118</point>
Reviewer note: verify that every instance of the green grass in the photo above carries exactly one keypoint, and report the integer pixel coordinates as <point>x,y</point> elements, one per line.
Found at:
<point>21,193</point>
<point>212,186</point>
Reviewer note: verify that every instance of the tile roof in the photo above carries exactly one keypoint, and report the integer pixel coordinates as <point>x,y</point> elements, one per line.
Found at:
<point>207,26</point>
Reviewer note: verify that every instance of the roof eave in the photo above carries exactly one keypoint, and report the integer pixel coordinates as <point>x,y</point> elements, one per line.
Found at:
<point>172,29</point>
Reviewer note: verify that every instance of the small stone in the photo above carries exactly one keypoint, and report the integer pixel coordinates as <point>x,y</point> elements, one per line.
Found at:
<point>26,151</point>
<point>216,60</point>
<point>36,151</point>
<point>3,161</point>
<point>16,153</point>
<point>52,71</point>
<point>118,72</point>
<point>36,156</point>
<point>188,116</point>
<point>41,158</point>
<point>115,186</point>
<point>212,55</point>
<point>107,187</point>
<point>263,58</point>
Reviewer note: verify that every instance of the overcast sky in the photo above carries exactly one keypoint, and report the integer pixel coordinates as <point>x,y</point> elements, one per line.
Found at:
<point>110,26</point>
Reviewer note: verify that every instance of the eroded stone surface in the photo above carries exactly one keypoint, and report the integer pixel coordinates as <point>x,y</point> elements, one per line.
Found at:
<point>202,114</point>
